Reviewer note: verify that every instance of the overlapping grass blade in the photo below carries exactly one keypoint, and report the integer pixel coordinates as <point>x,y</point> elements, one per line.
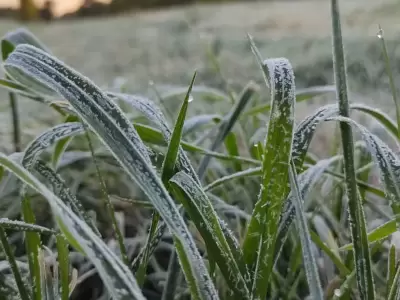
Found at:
<point>116,276</point>
<point>362,257</point>
<point>116,132</point>
<point>310,264</point>
<point>262,231</point>
<point>202,213</point>
<point>154,114</point>
<point>385,159</point>
<point>168,170</point>
<point>392,262</point>
<point>381,232</point>
<point>227,124</point>
<point>64,193</point>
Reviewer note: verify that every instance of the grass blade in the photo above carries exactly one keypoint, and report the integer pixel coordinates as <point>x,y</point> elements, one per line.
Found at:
<point>23,293</point>
<point>118,134</point>
<point>314,283</point>
<point>262,231</point>
<point>63,261</point>
<point>227,124</point>
<point>201,212</point>
<point>361,252</point>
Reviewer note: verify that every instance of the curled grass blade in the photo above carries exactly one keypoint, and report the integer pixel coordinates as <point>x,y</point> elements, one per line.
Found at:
<point>262,230</point>
<point>120,137</point>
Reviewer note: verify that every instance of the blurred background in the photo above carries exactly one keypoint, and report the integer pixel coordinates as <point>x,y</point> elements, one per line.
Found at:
<point>139,44</point>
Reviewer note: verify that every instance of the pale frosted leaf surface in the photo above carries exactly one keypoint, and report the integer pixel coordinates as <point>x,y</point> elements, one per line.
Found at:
<point>261,236</point>
<point>49,138</point>
<point>121,139</point>
<point>23,226</point>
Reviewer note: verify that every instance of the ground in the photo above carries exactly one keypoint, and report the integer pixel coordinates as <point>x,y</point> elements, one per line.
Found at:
<point>167,46</point>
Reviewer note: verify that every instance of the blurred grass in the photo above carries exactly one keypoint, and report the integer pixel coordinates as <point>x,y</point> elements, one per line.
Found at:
<point>166,46</point>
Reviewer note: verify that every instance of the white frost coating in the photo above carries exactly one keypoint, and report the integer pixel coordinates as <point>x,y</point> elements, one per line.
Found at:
<point>22,226</point>
<point>126,150</point>
<point>48,138</point>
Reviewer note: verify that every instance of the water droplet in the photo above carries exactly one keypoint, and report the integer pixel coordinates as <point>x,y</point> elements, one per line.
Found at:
<point>337,293</point>
<point>380,33</point>
<point>190,98</point>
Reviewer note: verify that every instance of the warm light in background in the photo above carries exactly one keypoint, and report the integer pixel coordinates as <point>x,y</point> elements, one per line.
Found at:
<point>60,6</point>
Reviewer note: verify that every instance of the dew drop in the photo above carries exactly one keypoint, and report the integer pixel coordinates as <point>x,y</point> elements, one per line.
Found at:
<point>380,33</point>
<point>190,98</point>
<point>338,293</point>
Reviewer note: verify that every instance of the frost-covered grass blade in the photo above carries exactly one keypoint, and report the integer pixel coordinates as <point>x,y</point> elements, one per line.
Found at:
<point>262,231</point>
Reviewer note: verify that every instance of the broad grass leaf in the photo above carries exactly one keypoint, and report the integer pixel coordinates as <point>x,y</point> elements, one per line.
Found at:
<point>262,230</point>
<point>202,213</point>
<point>310,264</point>
<point>116,276</point>
<point>118,134</point>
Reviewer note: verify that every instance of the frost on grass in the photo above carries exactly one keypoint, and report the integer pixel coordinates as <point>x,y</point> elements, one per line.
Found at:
<point>48,138</point>
<point>22,226</point>
<point>262,229</point>
<point>120,137</point>
<point>386,160</point>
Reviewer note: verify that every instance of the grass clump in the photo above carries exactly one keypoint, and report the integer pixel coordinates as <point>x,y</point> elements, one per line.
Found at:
<point>200,210</point>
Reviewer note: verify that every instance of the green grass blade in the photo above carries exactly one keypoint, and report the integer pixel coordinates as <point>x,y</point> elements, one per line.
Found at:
<point>116,276</point>
<point>23,292</point>
<point>381,232</point>
<point>118,134</point>
<point>394,289</point>
<point>202,213</point>
<point>168,170</point>
<point>391,269</point>
<point>33,246</point>
<point>391,78</point>
<point>310,264</point>
<point>361,252</point>
<point>227,124</point>
<point>17,37</point>
<point>242,174</point>
<point>262,231</point>
<point>63,261</point>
